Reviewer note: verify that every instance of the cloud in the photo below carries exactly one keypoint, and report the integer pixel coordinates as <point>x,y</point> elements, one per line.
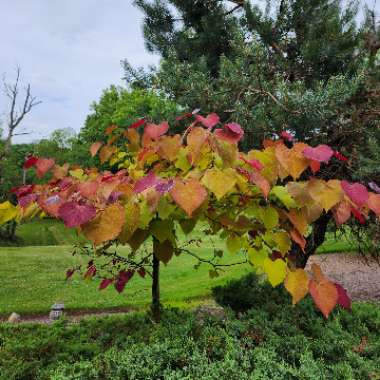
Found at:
<point>69,51</point>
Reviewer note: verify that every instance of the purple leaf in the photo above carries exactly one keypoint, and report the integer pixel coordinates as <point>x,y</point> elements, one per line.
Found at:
<point>122,279</point>
<point>146,182</point>
<point>105,283</point>
<point>373,186</point>
<point>74,214</point>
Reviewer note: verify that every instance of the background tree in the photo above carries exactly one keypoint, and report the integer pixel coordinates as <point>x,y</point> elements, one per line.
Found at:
<point>297,66</point>
<point>122,107</point>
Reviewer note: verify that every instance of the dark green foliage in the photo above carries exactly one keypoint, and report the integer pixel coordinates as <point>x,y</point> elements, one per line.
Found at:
<point>249,292</point>
<point>272,340</point>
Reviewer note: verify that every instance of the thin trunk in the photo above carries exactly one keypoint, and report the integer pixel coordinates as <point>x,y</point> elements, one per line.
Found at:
<point>313,241</point>
<point>156,306</point>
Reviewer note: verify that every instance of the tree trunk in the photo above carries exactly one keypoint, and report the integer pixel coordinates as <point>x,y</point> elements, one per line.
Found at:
<point>313,241</point>
<point>156,306</point>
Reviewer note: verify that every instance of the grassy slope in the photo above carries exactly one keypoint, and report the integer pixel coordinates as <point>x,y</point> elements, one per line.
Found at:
<point>33,278</point>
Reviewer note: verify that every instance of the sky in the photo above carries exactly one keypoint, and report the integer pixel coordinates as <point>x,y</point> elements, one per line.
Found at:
<point>69,51</point>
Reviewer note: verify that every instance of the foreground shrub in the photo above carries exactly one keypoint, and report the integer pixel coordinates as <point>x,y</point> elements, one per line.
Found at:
<point>271,340</point>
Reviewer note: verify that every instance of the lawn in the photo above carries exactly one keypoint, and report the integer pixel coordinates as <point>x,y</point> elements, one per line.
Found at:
<point>33,277</point>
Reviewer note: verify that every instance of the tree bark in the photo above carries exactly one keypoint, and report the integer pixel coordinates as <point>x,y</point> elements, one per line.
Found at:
<point>313,241</point>
<point>156,305</point>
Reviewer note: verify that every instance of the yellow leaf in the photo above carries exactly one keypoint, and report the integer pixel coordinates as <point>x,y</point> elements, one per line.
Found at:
<point>106,226</point>
<point>132,215</point>
<point>327,194</point>
<point>7,212</point>
<point>169,147</point>
<point>275,270</point>
<point>297,284</point>
<point>219,182</point>
<point>292,160</point>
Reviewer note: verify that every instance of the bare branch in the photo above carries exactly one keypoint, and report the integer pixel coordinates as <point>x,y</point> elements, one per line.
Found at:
<point>15,117</point>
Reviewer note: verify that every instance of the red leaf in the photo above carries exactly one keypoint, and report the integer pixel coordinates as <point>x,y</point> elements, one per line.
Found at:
<point>154,131</point>
<point>122,279</point>
<point>340,156</point>
<point>105,283</point>
<point>231,132</point>
<point>141,272</point>
<point>210,121</point>
<point>95,148</point>
<point>358,215</point>
<point>22,190</point>
<point>357,192</point>
<point>315,166</point>
<point>286,136</point>
<point>74,214</point>
<point>343,299</point>
<point>30,161</point>
<point>43,165</point>
<point>137,124</point>
<point>321,153</point>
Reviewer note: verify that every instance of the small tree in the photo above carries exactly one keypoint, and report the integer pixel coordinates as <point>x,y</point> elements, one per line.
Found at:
<point>261,203</point>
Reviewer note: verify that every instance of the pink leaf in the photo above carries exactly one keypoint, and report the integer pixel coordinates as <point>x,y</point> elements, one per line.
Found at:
<point>357,192</point>
<point>286,136</point>
<point>154,131</point>
<point>122,279</point>
<point>231,132</point>
<point>146,182</point>
<point>43,165</point>
<point>105,283</point>
<point>210,121</point>
<point>30,161</point>
<point>343,299</point>
<point>74,214</point>
<point>255,164</point>
<point>321,153</point>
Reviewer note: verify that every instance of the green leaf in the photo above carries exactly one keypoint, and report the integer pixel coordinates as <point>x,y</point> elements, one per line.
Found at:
<point>283,195</point>
<point>269,216</point>
<point>165,208</point>
<point>234,243</point>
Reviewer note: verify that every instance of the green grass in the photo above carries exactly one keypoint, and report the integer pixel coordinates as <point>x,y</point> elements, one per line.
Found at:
<point>42,232</point>
<point>32,278</point>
